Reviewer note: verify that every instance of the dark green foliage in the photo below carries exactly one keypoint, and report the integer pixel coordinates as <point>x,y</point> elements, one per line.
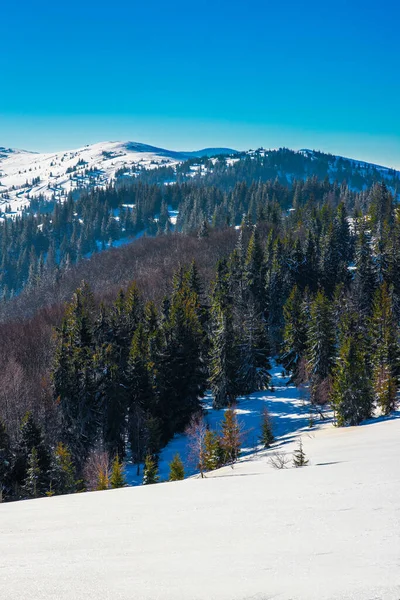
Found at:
<point>150,474</point>
<point>352,393</point>
<point>295,335</point>
<point>33,455</point>
<point>267,436</point>
<point>62,474</point>
<point>299,457</point>
<point>320,346</point>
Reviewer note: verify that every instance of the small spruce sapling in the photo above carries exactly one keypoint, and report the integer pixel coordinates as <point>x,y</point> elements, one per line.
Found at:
<point>176,469</point>
<point>150,472</point>
<point>267,437</point>
<point>299,457</point>
<point>117,479</point>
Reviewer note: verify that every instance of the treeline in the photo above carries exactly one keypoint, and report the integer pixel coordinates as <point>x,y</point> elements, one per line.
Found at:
<point>283,165</point>
<point>315,287</point>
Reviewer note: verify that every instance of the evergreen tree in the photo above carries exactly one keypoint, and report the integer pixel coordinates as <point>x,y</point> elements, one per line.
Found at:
<point>385,350</point>
<point>295,334</point>
<point>31,437</point>
<point>117,479</point>
<point>320,346</point>
<point>267,436</point>
<point>254,352</point>
<point>352,394</point>
<point>33,474</point>
<point>150,474</point>
<point>213,452</point>
<point>176,469</point>
<point>62,474</point>
<point>299,457</point>
<point>231,437</point>
<point>74,376</point>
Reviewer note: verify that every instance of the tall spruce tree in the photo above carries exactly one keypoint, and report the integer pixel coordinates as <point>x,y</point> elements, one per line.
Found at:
<point>320,347</point>
<point>352,392</point>
<point>295,335</point>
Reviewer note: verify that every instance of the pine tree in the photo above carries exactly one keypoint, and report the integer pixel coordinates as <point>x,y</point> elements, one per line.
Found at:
<point>385,350</point>
<point>176,469</point>
<point>74,376</point>
<point>299,457</point>
<point>33,474</point>
<point>365,280</point>
<point>213,453</point>
<point>320,346</point>
<point>352,394</point>
<point>117,479</point>
<point>267,436</point>
<point>31,436</point>
<point>225,357</point>
<point>295,334</point>
<point>231,437</point>
<point>150,474</point>
<point>62,474</point>
<point>254,352</point>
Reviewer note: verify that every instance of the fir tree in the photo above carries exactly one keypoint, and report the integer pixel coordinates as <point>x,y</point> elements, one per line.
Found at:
<point>352,394</point>
<point>299,457</point>
<point>213,453</point>
<point>267,436</point>
<point>150,473</point>
<point>33,474</point>
<point>231,436</point>
<point>320,346</point>
<point>295,334</point>
<point>62,474</point>
<point>117,479</point>
<point>176,469</point>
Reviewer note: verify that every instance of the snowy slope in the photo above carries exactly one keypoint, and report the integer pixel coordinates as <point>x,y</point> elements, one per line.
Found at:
<point>329,531</point>
<point>61,172</point>
<point>26,175</point>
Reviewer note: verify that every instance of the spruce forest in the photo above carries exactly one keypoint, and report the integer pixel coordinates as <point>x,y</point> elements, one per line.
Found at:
<point>108,352</point>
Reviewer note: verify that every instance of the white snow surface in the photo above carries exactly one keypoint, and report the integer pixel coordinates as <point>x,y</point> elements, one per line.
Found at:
<point>328,531</point>
<point>61,172</point>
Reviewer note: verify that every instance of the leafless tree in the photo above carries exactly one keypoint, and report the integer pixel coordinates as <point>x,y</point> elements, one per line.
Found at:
<point>279,459</point>
<point>196,433</point>
<point>97,470</point>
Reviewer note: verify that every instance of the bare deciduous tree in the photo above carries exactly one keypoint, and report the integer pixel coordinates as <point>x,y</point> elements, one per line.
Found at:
<point>97,470</point>
<point>279,459</point>
<point>196,432</point>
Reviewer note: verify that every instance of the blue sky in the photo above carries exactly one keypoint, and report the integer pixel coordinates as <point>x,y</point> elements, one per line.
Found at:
<point>215,73</point>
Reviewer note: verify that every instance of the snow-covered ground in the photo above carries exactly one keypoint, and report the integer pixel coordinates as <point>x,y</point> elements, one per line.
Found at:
<point>26,175</point>
<point>328,531</point>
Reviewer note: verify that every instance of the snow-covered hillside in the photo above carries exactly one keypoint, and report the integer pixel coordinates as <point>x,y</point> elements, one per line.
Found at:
<point>328,531</point>
<point>26,175</point>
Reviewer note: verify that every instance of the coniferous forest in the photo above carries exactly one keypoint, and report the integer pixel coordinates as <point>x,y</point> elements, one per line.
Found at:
<point>108,354</point>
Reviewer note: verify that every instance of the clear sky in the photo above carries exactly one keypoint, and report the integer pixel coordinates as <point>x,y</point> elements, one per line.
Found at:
<point>186,75</point>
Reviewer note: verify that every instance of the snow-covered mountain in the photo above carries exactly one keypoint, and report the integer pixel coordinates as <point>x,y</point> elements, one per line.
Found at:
<point>26,175</point>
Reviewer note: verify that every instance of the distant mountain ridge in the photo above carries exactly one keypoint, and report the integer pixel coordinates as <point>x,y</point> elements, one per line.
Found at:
<point>28,175</point>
